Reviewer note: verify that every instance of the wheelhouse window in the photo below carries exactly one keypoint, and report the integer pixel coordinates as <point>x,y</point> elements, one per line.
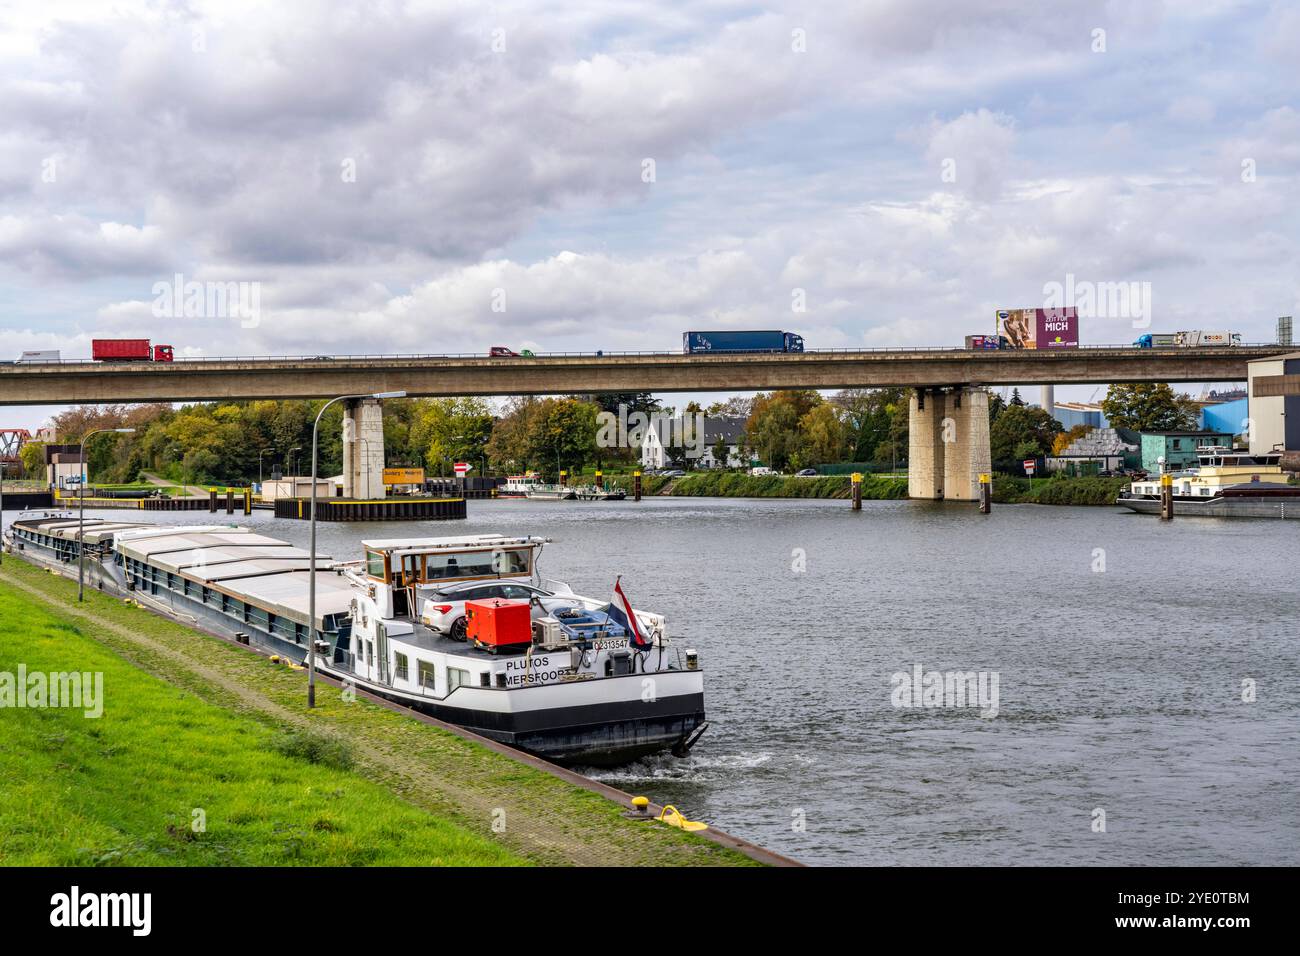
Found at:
<point>375,564</point>
<point>477,564</point>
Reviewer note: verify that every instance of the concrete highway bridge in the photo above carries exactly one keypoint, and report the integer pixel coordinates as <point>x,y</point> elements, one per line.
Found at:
<point>239,378</point>
<point>949,403</point>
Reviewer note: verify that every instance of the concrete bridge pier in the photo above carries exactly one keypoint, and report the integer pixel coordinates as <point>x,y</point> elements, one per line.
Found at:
<point>948,443</point>
<point>925,443</point>
<point>363,449</point>
<point>966,453</point>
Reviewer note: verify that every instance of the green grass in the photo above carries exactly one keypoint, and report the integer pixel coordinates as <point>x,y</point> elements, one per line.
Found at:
<point>1062,490</point>
<point>735,484</point>
<point>125,788</point>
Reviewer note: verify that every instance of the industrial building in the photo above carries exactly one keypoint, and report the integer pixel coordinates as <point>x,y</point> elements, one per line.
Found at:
<point>1175,450</point>
<point>1274,388</point>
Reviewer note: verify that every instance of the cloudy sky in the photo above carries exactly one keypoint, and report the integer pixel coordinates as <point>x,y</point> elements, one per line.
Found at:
<point>442,177</point>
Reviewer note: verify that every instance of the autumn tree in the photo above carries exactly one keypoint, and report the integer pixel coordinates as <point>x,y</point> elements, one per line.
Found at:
<point>773,426</point>
<point>562,433</point>
<point>823,437</point>
<point>448,430</point>
<point>1149,407</point>
<point>877,422</point>
<point>1022,431</point>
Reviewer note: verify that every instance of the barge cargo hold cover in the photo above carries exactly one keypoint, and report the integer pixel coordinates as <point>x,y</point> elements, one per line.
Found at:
<point>228,579</point>
<point>217,575</point>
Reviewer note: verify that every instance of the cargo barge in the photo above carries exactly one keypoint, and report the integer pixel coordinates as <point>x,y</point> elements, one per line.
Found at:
<point>1226,483</point>
<point>572,679</point>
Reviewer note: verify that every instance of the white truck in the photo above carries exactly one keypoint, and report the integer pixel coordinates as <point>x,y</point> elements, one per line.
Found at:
<point>40,355</point>
<point>1187,340</point>
<point>1198,338</point>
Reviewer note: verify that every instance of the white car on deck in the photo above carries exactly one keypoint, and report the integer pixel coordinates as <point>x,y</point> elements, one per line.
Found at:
<point>444,610</point>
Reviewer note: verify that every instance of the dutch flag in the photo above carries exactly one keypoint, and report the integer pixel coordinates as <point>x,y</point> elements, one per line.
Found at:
<point>620,611</point>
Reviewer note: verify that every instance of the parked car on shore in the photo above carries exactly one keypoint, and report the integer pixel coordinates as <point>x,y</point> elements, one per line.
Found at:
<point>806,473</point>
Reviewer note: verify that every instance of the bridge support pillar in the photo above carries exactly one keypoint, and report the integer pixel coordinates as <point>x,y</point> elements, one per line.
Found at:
<point>363,449</point>
<point>966,453</point>
<point>925,443</point>
<point>948,443</point>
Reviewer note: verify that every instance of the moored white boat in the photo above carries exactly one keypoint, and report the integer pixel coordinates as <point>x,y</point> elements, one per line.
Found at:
<point>574,679</point>
<point>552,492</point>
<point>594,493</point>
<point>516,486</point>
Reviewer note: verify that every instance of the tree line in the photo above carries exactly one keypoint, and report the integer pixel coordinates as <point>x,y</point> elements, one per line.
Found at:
<point>231,441</point>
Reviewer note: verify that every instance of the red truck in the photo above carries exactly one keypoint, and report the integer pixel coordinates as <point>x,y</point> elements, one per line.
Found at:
<point>128,350</point>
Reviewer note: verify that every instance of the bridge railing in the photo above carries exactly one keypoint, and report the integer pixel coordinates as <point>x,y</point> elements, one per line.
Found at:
<point>607,353</point>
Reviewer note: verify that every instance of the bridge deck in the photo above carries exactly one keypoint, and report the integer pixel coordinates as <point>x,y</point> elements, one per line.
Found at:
<point>211,379</point>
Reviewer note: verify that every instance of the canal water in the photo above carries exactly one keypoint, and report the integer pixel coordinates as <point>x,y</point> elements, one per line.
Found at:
<point>1148,687</point>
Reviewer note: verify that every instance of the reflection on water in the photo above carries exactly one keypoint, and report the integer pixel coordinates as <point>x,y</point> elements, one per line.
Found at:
<point>1120,689</point>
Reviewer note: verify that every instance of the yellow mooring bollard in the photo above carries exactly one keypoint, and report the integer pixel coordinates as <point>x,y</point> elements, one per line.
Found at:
<point>986,493</point>
<point>857,490</point>
<point>1166,497</point>
<point>640,809</point>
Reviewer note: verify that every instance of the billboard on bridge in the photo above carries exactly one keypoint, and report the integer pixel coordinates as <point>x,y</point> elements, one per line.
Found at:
<point>1039,328</point>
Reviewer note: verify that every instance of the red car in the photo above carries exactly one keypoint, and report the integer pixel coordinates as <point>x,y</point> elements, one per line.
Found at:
<point>500,351</point>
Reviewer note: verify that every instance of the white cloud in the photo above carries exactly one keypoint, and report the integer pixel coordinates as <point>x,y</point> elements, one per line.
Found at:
<point>521,170</point>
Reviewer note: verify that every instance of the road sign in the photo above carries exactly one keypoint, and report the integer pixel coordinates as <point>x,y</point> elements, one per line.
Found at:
<point>462,469</point>
<point>1029,466</point>
<point>403,476</point>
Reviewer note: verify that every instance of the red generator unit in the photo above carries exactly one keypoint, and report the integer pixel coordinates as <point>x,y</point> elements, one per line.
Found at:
<point>128,350</point>
<point>498,624</point>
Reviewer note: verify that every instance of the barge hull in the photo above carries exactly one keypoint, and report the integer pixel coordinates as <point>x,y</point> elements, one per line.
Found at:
<point>596,735</point>
<point>1219,507</point>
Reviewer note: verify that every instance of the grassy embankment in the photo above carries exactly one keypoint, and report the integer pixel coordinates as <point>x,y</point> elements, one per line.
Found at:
<point>1006,489</point>
<point>1086,490</point>
<point>732,484</point>
<point>193,723</point>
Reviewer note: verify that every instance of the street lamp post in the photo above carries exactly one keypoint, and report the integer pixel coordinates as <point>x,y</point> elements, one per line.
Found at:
<point>3,466</point>
<point>311,586</point>
<point>81,508</point>
<point>259,462</point>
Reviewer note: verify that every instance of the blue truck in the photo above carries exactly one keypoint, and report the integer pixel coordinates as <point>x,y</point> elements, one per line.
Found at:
<point>770,341</point>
